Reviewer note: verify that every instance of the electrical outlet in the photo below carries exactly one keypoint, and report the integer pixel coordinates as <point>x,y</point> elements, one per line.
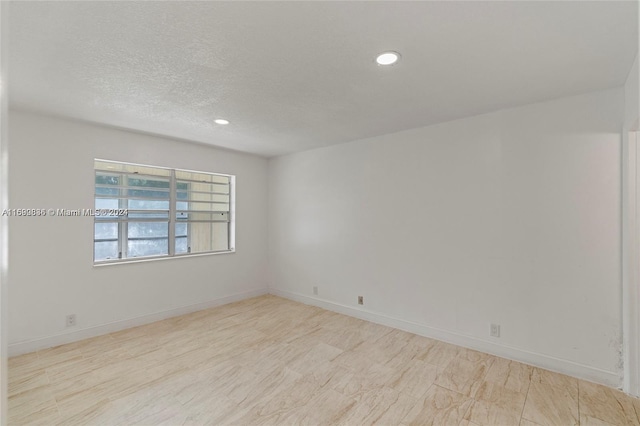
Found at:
<point>315,290</point>
<point>360,300</point>
<point>495,330</point>
<point>71,320</point>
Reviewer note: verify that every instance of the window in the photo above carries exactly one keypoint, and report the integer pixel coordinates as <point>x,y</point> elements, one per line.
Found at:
<point>145,211</point>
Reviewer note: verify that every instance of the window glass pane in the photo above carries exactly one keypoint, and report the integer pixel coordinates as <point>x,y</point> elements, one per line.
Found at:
<point>181,245</point>
<point>113,192</point>
<point>145,182</point>
<point>181,230</point>
<point>147,193</point>
<point>156,198</point>
<point>104,231</point>
<point>107,179</point>
<point>148,205</point>
<point>148,230</point>
<point>182,239</point>
<point>106,203</point>
<point>180,206</point>
<point>182,188</point>
<point>147,239</point>
<point>105,250</point>
<point>150,247</point>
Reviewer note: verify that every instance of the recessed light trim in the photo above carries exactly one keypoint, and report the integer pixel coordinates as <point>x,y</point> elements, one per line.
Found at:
<point>221,121</point>
<point>388,58</point>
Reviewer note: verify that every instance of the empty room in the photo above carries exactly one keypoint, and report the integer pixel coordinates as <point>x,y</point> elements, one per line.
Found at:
<point>319,213</point>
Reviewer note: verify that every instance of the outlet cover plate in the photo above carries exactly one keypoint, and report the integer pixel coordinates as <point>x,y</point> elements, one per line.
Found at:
<point>495,330</point>
<point>71,320</point>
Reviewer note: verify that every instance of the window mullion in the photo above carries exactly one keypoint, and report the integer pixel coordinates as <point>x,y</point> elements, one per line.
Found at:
<point>123,228</point>
<point>172,213</point>
<point>188,237</point>
<point>231,215</point>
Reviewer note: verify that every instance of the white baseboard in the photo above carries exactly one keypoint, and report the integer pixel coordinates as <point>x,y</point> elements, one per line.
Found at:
<point>547,362</point>
<point>85,333</point>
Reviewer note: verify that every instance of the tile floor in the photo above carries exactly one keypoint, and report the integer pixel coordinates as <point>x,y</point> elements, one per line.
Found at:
<point>268,360</point>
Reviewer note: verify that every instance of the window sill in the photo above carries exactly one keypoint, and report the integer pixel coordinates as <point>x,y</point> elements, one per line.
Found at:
<point>156,258</point>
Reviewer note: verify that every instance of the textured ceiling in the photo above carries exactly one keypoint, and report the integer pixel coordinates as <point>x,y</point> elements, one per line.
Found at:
<point>292,76</point>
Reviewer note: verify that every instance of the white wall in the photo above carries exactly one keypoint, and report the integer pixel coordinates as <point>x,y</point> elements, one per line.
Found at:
<point>630,246</point>
<point>52,272</point>
<point>511,217</point>
<point>632,97</point>
<point>4,203</point>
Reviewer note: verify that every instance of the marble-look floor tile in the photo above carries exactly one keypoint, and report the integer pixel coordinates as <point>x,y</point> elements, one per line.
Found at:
<point>592,421</point>
<point>385,348</point>
<point>500,396</point>
<point>570,384</point>
<point>32,406</point>
<point>440,354</point>
<point>510,374</point>
<point>416,347</point>
<point>219,410</point>
<point>22,365</point>
<point>484,413</point>
<point>375,404</point>
<point>24,382</point>
<point>74,403</point>
<point>439,406</point>
<point>279,405</point>
<point>271,383</point>
<point>60,354</point>
<point>327,407</point>
<point>328,374</point>
<point>234,383</point>
<point>269,360</point>
<point>146,407</point>
<point>357,384</point>
<point>397,410</point>
<point>464,375</point>
<point>468,423</point>
<point>550,405</point>
<point>345,338</point>
<point>606,404</point>
<point>353,361</point>
<point>316,355</point>
<point>413,378</point>
<point>525,422</point>
<point>100,413</point>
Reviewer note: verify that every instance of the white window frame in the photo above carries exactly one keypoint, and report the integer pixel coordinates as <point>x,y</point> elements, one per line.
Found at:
<point>172,220</point>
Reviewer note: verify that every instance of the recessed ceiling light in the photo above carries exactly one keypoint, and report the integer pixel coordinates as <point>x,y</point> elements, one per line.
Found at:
<point>388,58</point>
<point>221,121</point>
